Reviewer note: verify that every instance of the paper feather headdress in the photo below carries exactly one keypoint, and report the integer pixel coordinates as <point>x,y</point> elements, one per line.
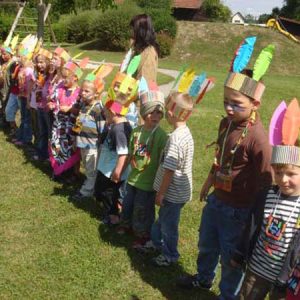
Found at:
<point>76,68</point>
<point>284,133</point>
<point>124,88</point>
<point>196,86</point>
<point>62,53</point>
<point>252,87</point>
<point>150,97</point>
<point>98,75</point>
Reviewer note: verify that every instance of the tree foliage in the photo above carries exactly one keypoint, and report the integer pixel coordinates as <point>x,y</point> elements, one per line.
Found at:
<point>215,10</point>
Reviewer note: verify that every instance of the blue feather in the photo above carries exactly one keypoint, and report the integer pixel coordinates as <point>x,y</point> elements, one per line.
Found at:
<point>143,86</point>
<point>196,85</point>
<point>243,54</point>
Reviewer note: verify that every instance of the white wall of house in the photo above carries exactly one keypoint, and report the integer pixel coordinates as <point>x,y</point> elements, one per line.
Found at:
<point>237,19</point>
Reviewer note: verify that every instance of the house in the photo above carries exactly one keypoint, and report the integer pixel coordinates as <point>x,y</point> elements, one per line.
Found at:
<point>187,9</point>
<point>238,18</point>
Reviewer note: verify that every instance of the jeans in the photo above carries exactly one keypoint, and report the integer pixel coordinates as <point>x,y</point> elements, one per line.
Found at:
<point>138,210</point>
<point>44,132</point>
<point>164,232</point>
<point>89,161</point>
<point>11,108</point>
<point>219,233</point>
<point>24,133</point>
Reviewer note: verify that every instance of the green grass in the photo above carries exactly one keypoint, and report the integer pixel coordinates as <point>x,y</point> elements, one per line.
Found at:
<point>53,249</point>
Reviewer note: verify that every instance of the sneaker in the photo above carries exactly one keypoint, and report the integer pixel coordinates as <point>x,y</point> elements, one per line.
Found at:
<point>161,261</point>
<point>192,281</point>
<point>147,248</point>
<point>140,242</point>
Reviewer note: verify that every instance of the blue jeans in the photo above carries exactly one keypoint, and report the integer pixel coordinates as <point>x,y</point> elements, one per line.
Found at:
<point>138,210</point>
<point>44,132</point>
<point>220,230</point>
<point>164,233</point>
<point>11,108</point>
<point>24,133</point>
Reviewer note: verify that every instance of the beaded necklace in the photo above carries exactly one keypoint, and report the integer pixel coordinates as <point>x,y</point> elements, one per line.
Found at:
<point>236,146</point>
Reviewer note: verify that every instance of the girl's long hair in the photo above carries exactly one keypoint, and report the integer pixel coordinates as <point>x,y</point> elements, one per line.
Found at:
<point>143,33</point>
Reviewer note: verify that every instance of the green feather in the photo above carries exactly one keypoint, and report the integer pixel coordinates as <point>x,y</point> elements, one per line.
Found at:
<point>263,62</point>
<point>133,65</point>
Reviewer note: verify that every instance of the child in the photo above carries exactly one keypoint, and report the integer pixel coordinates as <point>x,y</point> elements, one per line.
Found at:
<point>173,181</point>
<point>146,144</point>
<point>40,91</point>
<point>63,155</point>
<point>89,125</point>
<point>25,81</point>
<point>241,168</point>
<point>114,152</point>
<point>275,221</point>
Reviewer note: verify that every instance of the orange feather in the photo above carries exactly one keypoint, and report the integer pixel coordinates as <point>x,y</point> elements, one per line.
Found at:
<point>291,123</point>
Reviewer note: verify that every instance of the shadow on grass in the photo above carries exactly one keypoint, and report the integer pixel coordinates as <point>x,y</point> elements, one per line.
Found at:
<point>159,278</point>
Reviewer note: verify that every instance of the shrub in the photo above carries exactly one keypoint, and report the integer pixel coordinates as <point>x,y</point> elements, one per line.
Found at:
<point>60,31</point>
<point>162,21</point>
<point>165,42</point>
<point>160,4</point>
<point>112,28</point>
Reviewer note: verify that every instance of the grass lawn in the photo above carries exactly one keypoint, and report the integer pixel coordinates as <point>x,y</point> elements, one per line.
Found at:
<point>51,248</point>
<point>54,249</point>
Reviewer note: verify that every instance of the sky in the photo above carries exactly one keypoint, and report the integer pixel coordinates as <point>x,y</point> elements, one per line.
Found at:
<point>253,7</point>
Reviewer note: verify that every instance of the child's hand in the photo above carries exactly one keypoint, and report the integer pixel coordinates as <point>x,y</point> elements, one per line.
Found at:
<point>206,187</point>
<point>159,199</point>
<point>115,176</point>
<point>234,264</point>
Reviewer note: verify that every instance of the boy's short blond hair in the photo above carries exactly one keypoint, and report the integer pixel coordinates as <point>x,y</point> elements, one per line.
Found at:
<point>180,104</point>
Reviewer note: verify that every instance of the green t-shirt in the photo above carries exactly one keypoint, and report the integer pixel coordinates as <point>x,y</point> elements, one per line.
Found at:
<point>145,149</point>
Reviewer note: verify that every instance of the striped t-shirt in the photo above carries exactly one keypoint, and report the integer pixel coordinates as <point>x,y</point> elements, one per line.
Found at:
<point>178,157</point>
<point>269,254</point>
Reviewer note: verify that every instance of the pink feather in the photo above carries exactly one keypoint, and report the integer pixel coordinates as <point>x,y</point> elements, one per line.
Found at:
<point>275,128</point>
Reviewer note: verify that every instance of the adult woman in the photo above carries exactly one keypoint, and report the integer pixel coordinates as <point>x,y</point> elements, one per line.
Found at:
<point>144,43</point>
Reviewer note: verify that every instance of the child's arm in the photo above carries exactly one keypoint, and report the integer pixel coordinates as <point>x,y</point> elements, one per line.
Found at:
<point>206,186</point>
<point>166,180</point>
<point>117,172</point>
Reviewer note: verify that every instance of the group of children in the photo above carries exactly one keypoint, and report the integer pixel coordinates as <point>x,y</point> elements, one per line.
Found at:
<point>247,223</point>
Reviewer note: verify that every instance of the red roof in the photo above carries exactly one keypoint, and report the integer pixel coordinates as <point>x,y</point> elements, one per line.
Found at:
<point>195,4</point>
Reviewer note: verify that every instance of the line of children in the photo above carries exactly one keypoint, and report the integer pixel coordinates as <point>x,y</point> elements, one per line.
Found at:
<point>74,123</point>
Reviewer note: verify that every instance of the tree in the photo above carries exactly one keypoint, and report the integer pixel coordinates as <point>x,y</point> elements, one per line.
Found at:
<point>216,11</point>
<point>263,18</point>
<point>250,19</point>
<point>291,9</point>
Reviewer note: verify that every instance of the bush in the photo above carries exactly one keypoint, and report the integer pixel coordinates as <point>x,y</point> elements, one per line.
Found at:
<point>165,42</point>
<point>60,31</point>
<point>112,28</point>
<point>79,26</point>
<point>160,4</point>
<point>162,21</point>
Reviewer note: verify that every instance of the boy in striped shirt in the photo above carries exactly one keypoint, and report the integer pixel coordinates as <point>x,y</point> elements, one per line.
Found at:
<point>173,181</point>
<point>270,249</point>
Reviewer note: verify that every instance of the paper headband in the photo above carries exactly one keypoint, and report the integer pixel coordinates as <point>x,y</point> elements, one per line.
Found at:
<point>252,87</point>
<point>75,68</point>
<point>98,75</point>
<point>284,133</point>
<point>196,86</point>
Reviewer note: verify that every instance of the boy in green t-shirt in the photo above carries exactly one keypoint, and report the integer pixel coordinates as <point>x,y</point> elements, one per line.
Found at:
<point>146,145</point>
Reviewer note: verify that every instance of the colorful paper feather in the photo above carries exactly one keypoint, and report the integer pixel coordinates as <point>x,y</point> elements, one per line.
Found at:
<point>104,70</point>
<point>275,128</point>
<point>196,85</point>
<point>263,62</point>
<point>243,55</point>
<point>126,61</point>
<point>83,63</point>
<point>206,86</point>
<point>186,81</point>
<point>178,76</point>
<point>291,123</point>
<point>143,86</point>
<point>133,65</point>
<point>14,42</point>
<point>77,55</point>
